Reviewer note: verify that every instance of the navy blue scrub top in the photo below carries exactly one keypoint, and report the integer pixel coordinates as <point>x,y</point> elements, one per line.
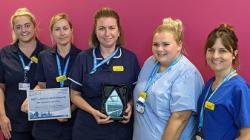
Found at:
<point>47,69</point>
<point>90,86</point>
<point>12,73</point>
<point>47,72</point>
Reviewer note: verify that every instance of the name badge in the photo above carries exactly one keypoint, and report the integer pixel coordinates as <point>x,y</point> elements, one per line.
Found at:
<point>34,59</point>
<point>118,68</point>
<point>209,105</point>
<point>24,86</point>
<point>61,78</point>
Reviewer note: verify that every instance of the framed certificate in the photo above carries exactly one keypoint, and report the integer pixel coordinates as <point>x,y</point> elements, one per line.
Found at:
<point>46,104</point>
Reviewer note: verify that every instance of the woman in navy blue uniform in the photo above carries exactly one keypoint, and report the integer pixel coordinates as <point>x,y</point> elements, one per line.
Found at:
<point>107,62</point>
<point>224,106</point>
<point>55,62</point>
<point>18,62</point>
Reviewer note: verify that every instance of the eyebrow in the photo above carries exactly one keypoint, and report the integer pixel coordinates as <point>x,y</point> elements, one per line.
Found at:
<point>61,26</point>
<point>23,24</point>
<point>162,42</point>
<point>107,26</point>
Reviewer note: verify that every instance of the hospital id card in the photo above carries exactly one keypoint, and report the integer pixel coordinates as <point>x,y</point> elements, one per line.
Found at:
<point>24,86</point>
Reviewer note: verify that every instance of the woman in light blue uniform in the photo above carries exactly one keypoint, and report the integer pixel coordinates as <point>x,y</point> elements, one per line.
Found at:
<point>167,89</point>
<point>224,106</point>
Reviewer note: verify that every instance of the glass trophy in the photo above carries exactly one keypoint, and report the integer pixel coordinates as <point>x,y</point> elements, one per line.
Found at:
<point>114,101</point>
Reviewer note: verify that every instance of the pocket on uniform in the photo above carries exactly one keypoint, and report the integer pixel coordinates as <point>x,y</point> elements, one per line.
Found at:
<point>162,105</point>
<point>161,95</point>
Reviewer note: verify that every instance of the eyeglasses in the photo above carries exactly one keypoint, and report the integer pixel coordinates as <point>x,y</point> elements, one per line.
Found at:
<point>23,27</point>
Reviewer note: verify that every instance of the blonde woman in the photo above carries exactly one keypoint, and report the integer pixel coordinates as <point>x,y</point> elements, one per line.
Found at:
<point>54,62</point>
<point>18,62</point>
<point>167,89</point>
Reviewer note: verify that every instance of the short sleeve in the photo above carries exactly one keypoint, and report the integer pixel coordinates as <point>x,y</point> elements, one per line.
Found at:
<point>1,69</point>
<point>242,106</point>
<point>136,71</point>
<point>185,92</point>
<point>76,73</point>
<point>40,76</point>
<point>136,68</point>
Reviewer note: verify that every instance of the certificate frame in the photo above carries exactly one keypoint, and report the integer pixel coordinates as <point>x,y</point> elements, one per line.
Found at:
<point>47,104</point>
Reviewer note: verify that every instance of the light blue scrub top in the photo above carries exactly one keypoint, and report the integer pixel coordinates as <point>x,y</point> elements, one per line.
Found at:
<point>176,90</point>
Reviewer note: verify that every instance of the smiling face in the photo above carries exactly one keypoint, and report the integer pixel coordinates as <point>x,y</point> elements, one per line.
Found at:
<point>24,29</point>
<point>107,31</point>
<point>165,48</point>
<point>219,58</point>
<point>62,33</point>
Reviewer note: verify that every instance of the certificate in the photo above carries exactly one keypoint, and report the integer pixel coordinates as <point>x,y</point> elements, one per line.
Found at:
<point>46,104</point>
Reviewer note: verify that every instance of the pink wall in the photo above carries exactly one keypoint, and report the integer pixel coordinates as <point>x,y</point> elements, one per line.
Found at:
<point>139,18</point>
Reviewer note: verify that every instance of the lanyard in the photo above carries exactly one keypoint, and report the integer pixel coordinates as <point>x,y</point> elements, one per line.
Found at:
<point>95,65</point>
<point>153,77</point>
<point>60,69</point>
<point>26,68</point>
<point>226,78</point>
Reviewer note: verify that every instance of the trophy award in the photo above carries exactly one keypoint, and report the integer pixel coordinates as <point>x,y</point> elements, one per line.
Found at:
<point>114,101</point>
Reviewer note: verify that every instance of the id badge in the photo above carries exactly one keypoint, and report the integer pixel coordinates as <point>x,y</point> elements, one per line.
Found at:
<point>61,78</point>
<point>24,86</point>
<point>209,105</point>
<point>118,68</point>
<point>140,107</point>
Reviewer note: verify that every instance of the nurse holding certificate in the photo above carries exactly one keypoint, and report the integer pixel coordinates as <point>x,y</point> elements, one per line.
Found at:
<point>52,72</point>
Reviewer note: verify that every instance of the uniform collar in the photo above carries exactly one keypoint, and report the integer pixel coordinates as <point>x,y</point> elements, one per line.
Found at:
<point>14,47</point>
<point>73,50</point>
<point>39,47</point>
<point>99,56</point>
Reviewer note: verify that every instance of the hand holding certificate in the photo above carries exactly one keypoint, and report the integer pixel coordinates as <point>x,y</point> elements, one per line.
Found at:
<point>48,104</point>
